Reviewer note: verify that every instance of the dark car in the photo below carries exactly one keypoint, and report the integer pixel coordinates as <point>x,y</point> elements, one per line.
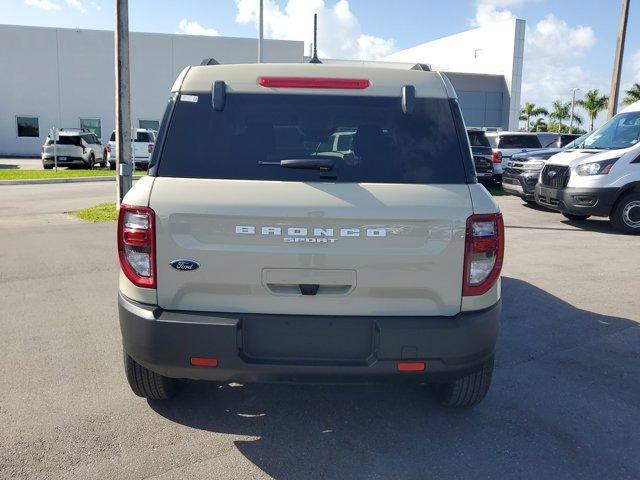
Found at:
<point>522,172</point>
<point>523,169</point>
<point>482,154</point>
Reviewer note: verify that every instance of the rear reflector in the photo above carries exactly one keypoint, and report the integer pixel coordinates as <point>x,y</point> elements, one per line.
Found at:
<point>314,82</point>
<point>203,362</point>
<point>411,366</point>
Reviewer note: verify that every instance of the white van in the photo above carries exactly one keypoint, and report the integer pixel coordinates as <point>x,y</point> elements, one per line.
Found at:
<point>601,177</point>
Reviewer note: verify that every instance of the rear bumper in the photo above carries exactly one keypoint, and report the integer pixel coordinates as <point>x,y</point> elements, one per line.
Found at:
<point>74,161</point>
<point>293,348</point>
<point>578,201</point>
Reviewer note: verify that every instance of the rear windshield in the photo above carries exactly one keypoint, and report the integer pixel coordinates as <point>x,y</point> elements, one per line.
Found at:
<point>144,137</point>
<point>519,141</point>
<point>478,139</point>
<point>66,140</point>
<point>364,139</point>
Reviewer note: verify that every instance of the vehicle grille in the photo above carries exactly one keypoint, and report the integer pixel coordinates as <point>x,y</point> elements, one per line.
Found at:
<point>556,176</point>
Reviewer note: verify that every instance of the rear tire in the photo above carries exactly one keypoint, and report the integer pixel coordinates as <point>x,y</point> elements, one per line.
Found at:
<point>48,167</point>
<point>92,162</point>
<point>575,218</point>
<point>467,391</point>
<point>148,384</point>
<point>625,216</point>
<point>105,160</point>
<point>112,166</point>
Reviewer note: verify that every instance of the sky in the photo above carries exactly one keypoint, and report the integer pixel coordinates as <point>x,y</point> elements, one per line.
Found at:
<point>568,43</point>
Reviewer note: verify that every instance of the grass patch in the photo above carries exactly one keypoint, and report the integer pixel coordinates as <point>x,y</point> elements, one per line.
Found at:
<point>104,212</point>
<point>18,174</point>
<point>496,190</point>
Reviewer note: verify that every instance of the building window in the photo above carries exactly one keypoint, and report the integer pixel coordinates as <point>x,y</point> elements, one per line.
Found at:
<point>28,127</point>
<point>93,124</point>
<point>149,124</point>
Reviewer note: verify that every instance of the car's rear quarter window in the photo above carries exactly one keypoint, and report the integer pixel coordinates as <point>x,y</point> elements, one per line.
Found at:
<point>369,139</point>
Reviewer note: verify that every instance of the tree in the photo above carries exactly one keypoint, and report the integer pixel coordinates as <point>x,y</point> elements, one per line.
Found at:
<point>540,125</point>
<point>561,112</point>
<point>633,94</point>
<point>529,110</point>
<point>593,103</point>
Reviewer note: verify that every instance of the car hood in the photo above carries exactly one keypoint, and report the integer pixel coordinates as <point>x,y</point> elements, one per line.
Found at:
<point>574,157</point>
<point>543,154</point>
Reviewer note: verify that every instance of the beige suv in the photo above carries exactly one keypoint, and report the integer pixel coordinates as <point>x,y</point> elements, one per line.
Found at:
<point>310,222</point>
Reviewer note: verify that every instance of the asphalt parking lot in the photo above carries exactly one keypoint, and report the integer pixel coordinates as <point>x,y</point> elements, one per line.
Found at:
<point>564,401</point>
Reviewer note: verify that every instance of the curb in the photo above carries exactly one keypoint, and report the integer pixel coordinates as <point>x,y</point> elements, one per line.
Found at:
<point>40,181</point>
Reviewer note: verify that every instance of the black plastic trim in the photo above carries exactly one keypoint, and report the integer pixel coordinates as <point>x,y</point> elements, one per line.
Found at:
<point>463,140</point>
<point>154,161</point>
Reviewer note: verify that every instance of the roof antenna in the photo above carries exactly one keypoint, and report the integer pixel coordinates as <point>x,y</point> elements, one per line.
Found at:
<point>315,58</point>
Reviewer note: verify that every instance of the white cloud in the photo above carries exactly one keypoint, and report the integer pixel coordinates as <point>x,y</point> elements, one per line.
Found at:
<point>488,13</point>
<point>43,4</point>
<point>76,4</point>
<point>96,6</point>
<point>339,32</point>
<point>635,65</point>
<point>553,49</point>
<point>194,28</point>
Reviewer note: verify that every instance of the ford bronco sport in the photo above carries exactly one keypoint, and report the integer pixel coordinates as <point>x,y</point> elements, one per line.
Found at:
<point>310,222</point>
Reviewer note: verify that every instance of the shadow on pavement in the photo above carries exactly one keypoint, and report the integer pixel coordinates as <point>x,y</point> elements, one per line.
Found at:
<point>563,404</point>
<point>8,166</point>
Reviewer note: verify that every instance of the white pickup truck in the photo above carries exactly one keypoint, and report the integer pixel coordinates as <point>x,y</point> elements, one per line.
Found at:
<point>142,147</point>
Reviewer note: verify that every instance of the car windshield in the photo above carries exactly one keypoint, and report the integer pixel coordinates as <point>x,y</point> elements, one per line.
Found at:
<point>576,143</point>
<point>365,139</point>
<point>622,131</point>
<point>478,139</point>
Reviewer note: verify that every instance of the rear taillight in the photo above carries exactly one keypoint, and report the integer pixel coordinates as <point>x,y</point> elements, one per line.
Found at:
<point>496,156</point>
<point>315,82</point>
<point>109,148</point>
<point>484,251</point>
<point>137,245</point>
<point>150,148</point>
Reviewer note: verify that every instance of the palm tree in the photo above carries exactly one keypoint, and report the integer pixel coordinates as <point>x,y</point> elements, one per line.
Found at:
<point>530,110</point>
<point>593,103</point>
<point>633,94</point>
<point>562,111</point>
<point>540,125</point>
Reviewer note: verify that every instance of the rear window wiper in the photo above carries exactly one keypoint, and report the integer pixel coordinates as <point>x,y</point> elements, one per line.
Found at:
<point>322,164</point>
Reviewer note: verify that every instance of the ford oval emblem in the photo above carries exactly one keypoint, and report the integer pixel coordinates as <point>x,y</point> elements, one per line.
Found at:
<point>185,265</point>
<point>552,173</point>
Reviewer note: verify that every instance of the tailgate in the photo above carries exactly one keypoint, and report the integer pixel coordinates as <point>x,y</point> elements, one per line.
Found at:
<point>310,248</point>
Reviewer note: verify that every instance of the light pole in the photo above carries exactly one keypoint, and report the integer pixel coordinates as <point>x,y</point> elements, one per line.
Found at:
<point>573,105</point>
<point>260,32</point>
<point>124,167</point>
<point>617,60</point>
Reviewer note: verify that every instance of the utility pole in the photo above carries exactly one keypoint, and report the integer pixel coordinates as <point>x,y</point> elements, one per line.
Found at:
<point>573,106</point>
<point>124,168</point>
<point>260,32</point>
<point>617,61</point>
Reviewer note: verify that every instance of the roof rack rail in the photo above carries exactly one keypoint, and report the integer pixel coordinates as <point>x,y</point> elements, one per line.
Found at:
<point>209,61</point>
<point>421,66</point>
<point>74,129</point>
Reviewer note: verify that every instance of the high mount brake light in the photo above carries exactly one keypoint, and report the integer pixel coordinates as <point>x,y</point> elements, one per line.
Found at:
<point>315,82</point>
<point>137,245</point>
<point>484,252</point>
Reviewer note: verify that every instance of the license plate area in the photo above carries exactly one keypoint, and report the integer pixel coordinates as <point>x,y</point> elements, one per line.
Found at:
<point>307,338</point>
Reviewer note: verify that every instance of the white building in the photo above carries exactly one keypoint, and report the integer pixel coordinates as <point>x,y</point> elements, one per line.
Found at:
<point>64,77</point>
<point>488,64</point>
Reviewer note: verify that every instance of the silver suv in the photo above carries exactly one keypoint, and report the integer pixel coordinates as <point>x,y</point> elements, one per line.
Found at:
<point>74,147</point>
<point>310,221</point>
